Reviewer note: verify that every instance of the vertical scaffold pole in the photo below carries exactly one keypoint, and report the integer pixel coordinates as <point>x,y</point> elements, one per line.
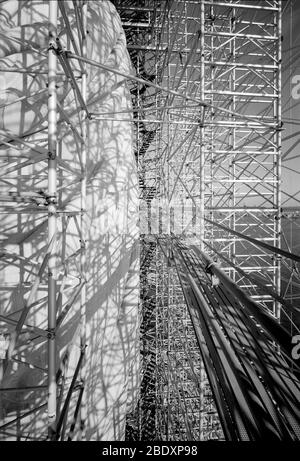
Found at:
<point>52,219</point>
<point>202,168</point>
<point>166,303</point>
<point>232,138</point>
<point>83,223</point>
<point>278,159</point>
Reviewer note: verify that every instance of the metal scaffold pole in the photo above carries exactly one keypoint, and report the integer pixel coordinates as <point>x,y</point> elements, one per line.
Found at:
<point>84,121</point>
<point>52,218</point>
<point>278,140</point>
<point>202,132</point>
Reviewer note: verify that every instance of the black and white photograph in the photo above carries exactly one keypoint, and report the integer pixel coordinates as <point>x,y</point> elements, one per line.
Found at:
<point>149,224</point>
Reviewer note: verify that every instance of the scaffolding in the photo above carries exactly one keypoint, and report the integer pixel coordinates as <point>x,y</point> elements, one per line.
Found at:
<point>242,152</point>
<point>217,284</point>
<point>209,149</point>
<point>185,408</point>
<point>37,171</point>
